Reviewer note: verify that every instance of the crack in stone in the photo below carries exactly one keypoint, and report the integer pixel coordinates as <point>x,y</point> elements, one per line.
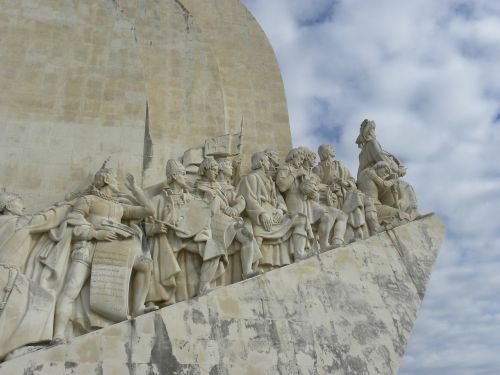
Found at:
<point>400,248</point>
<point>187,13</point>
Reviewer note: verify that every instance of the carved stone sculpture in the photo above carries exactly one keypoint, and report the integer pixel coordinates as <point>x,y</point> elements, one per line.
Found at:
<point>274,161</point>
<point>379,181</point>
<point>26,309</point>
<point>341,191</point>
<point>186,259</point>
<point>227,225</point>
<point>281,235</point>
<point>108,252</point>
<point>372,153</point>
<point>87,262</point>
<point>300,184</point>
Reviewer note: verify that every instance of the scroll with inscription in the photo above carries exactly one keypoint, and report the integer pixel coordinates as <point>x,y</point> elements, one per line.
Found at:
<point>110,278</point>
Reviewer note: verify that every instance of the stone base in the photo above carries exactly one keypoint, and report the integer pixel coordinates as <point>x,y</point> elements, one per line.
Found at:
<point>346,311</point>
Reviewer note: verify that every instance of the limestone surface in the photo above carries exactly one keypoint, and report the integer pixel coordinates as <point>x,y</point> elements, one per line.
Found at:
<point>139,80</point>
<point>346,311</point>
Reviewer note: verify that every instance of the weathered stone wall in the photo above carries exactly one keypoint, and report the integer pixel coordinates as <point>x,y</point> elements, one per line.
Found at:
<point>347,311</point>
<point>140,80</point>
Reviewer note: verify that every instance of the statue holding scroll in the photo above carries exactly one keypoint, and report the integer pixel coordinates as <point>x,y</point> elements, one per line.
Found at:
<point>26,309</point>
<point>109,253</point>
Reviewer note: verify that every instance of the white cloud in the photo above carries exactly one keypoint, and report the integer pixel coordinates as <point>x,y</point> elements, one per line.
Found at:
<point>427,72</point>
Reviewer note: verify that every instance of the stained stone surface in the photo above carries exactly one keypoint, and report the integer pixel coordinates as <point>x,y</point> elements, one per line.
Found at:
<point>346,311</point>
<point>140,80</point>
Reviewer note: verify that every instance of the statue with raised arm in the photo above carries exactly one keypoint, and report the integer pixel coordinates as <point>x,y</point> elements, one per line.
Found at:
<point>301,188</point>
<point>186,259</point>
<point>282,236</point>
<point>108,266</point>
<point>372,153</point>
<point>26,309</point>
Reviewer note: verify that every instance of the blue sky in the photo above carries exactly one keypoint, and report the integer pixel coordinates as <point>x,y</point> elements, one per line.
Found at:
<point>428,72</point>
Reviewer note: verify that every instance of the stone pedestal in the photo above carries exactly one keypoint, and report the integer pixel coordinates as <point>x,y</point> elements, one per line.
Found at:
<point>346,311</point>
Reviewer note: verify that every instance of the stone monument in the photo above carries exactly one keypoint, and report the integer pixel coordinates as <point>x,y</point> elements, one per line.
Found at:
<point>220,258</point>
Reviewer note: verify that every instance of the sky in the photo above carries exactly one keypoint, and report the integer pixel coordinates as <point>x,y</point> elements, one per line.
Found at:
<point>428,73</point>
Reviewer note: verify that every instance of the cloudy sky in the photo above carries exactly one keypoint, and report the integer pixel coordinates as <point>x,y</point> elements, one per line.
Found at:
<point>428,72</point>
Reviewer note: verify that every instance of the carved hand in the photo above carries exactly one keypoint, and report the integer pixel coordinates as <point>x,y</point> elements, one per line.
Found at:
<point>105,235</point>
<point>388,183</point>
<point>130,184</point>
<point>267,221</point>
<point>230,211</point>
<point>161,228</point>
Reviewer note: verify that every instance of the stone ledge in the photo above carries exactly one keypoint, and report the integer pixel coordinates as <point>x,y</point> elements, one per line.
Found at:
<point>345,311</point>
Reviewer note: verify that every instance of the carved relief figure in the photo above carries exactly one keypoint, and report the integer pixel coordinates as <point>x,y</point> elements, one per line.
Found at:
<point>186,259</point>
<point>282,236</point>
<point>379,181</point>
<point>301,185</point>
<point>372,153</point>
<point>227,225</point>
<point>274,162</point>
<point>26,309</point>
<point>341,191</point>
<point>111,251</point>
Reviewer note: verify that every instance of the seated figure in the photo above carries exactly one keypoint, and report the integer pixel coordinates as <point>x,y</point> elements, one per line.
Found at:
<point>26,309</point>
<point>281,236</point>
<point>227,225</point>
<point>372,153</point>
<point>186,259</point>
<point>103,246</point>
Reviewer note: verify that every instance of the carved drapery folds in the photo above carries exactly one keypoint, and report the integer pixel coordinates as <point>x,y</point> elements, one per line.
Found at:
<point>102,256</point>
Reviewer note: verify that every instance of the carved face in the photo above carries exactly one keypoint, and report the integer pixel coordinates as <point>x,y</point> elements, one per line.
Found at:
<point>16,206</point>
<point>226,168</point>
<point>297,160</point>
<point>180,176</point>
<point>273,157</point>
<point>212,172</point>
<point>265,164</point>
<point>331,152</point>
<point>310,159</point>
<point>111,181</point>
